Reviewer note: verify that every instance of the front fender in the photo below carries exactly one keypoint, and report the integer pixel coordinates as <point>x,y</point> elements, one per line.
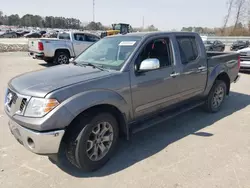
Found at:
<point>82,101</point>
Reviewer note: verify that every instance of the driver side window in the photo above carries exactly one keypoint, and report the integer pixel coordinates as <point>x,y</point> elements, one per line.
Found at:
<point>159,49</point>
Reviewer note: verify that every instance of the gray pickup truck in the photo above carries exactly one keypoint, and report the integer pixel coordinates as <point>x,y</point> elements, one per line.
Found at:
<point>120,85</point>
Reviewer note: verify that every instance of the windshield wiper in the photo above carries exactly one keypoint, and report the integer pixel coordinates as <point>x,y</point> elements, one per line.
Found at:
<point>89,64</point>
<point>93,65</point>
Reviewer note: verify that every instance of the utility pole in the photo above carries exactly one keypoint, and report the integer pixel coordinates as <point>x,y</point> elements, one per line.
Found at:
<point>143,22</point>
<point>93,10</point>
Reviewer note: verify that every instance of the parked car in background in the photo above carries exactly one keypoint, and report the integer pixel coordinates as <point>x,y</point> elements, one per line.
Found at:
<point>42,32</point>
<point>21,33</point>
<point>61,49</point>
<point>244,59</point>
<point>50,34</point>
<point>8,34</point>
<point>33,35</point>
<point>238,45</point>
<point>120,85</point>
<point>214,46</point>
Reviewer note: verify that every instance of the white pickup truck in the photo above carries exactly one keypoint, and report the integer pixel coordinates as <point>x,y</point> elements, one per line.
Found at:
<point>59,50</point>
<point>244,59</point>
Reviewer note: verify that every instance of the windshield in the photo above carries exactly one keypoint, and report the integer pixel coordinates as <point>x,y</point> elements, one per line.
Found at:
<point>238,42</point>
<point>110,52</point>
<point>207,42</point>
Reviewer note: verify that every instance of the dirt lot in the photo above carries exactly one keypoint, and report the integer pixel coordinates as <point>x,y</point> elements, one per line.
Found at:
<point>194,150</point>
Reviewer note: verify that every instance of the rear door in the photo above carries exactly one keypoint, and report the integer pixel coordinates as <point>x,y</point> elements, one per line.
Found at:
<point>80,43</point>
<point>193,70</point>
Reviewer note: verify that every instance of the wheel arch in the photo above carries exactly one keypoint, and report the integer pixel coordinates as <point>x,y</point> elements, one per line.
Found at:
<point>63,50</point>
<point>224,77</point>
<point>119,116</point>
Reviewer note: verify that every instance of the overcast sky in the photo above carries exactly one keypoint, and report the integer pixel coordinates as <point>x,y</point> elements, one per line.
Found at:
<point>164,14</point>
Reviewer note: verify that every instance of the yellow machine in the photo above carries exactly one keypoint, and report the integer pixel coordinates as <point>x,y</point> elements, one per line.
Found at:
<point>121,28</point>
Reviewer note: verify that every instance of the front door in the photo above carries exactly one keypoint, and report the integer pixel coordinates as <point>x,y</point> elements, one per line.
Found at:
<point>156,89</point>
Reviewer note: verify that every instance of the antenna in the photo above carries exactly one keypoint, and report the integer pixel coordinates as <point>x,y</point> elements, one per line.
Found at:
<point>93,10</point>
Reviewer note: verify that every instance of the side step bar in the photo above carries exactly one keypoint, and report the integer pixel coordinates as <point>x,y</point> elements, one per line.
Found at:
<point>163,117</point>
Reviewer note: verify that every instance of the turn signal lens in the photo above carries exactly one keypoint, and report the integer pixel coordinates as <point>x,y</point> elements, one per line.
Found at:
<point>51,104</point>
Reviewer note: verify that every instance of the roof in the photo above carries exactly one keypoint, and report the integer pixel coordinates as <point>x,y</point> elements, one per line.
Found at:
<point>148,34</point>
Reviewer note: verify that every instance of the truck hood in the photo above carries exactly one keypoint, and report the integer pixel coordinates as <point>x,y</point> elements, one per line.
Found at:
<point>244,50</point>
<point>40,83</point>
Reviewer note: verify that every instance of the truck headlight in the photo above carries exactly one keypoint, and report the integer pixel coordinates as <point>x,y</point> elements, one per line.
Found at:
<point>38,107</point>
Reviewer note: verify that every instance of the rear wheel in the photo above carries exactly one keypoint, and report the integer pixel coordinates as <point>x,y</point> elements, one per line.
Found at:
<point>216,96</point>
<point>92,142</point>
<point>61,57</point>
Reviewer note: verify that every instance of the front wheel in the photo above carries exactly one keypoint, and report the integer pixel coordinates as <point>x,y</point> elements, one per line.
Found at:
<point>93,142</point>
<point>216,96</point>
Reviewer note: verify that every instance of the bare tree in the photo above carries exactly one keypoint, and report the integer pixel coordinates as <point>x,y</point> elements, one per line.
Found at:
<point>229,10</point>
<point>239,11</point>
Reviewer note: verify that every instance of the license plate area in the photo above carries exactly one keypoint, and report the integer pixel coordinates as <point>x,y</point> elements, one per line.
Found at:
<point>16,133</point>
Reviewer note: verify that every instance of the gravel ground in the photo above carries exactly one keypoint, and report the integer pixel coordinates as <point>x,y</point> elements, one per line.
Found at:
<point>13,45</point>
<point>209,151</point>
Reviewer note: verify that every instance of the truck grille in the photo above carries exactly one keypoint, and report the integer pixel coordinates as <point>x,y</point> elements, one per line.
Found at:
<point>244,56</point>
<point>15,103</point>
<point>23,104</point>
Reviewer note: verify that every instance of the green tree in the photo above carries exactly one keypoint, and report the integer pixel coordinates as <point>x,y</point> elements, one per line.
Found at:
<point>94,26</point>
<point>151,28</point>
<point>14,19</point>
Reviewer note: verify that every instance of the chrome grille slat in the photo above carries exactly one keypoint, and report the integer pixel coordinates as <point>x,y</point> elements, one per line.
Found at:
<point>17,103</point>
<point>23,104</point>
<point>244,56</point>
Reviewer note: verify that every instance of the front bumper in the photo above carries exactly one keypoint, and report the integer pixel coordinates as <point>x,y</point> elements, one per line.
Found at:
<point>44,143</point>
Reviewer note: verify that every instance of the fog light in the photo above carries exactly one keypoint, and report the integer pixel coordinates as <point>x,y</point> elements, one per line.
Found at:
<point>31,143</point>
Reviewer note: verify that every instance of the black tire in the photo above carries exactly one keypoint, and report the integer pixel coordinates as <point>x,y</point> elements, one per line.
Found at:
<point>77,137</point>
<point>61,55</point>
<point>209,106</point>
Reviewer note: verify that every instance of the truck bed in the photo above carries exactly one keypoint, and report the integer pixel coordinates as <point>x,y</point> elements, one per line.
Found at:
<point>228,60</point>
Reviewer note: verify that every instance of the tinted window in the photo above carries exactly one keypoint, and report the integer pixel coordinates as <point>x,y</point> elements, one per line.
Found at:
<point>79,37</point>
<point>64,36</point>
<point>159,49</point>
<point>91,38</point>
<point>188,49</point>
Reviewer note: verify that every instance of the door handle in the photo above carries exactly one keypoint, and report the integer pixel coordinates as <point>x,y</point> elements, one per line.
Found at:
<point>202,68</point>
<point>175,74</point>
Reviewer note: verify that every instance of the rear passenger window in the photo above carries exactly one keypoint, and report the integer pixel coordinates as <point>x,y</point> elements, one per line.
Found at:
<point>64,36</point>
<point>79,37</point>
<point>188,49</point>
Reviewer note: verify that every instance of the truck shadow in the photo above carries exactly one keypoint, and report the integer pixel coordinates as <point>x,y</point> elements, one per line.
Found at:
<point>155,139</point>
<point>46,64</point>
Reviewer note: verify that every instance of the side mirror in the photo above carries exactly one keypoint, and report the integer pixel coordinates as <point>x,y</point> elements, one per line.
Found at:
<point>149,64</point>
